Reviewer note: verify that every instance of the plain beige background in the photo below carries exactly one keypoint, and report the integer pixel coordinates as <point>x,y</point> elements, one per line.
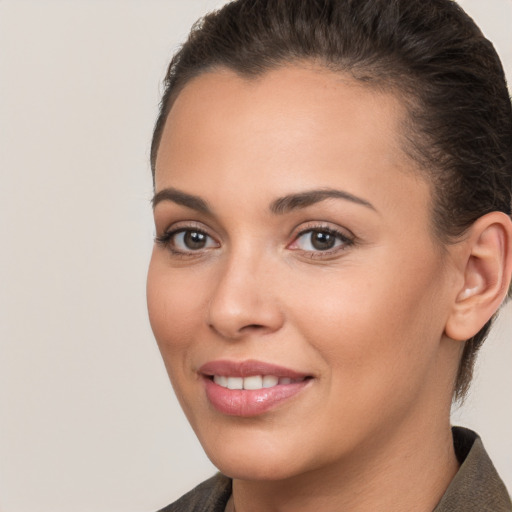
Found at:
<point>88,421</point>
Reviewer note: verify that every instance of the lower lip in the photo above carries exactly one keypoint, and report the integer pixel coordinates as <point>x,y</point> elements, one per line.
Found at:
<point>246,403</point>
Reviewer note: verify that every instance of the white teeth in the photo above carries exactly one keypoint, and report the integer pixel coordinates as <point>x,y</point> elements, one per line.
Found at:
<point>269,381</point>
<point>221,380</point>
<point>252,382</point>
<point>235,383</point>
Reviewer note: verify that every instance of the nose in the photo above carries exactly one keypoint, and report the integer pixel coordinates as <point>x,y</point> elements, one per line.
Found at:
<point>244,301</point>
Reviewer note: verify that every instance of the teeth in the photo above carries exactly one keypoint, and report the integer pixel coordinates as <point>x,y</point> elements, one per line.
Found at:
<point>235,383</point>
<point>221,380</point>
<point>269,381</point>
<point>255,382</point>
<point>252,382</point>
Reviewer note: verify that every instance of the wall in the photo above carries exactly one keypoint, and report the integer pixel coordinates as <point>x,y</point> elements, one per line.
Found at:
<point>88,421</point>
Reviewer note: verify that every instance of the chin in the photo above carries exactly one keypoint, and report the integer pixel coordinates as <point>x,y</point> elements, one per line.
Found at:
<point>256,469</point>
<point>254,461</point>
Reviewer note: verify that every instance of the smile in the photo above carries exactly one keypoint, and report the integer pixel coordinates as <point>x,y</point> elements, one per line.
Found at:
<point>250,388</point>
<point>253,382</point>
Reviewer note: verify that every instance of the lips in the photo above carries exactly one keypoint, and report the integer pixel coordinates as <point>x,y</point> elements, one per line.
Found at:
<point>250,388</point>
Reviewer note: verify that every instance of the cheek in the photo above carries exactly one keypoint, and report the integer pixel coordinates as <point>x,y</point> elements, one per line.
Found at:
<point>374,325</point>
<point>174,306</point>
<point>175,314</point>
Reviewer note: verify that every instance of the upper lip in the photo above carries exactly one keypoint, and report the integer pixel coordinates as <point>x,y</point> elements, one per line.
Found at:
<point>247,368</point>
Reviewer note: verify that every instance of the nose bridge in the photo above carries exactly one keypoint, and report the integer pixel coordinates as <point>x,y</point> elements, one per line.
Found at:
<point>243,300</point>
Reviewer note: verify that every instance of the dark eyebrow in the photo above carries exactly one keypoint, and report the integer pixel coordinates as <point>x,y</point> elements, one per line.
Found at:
<point>303,199</point>
<point>181,198</point>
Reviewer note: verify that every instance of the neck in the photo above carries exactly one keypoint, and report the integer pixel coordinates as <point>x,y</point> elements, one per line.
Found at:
<point>408,471</point>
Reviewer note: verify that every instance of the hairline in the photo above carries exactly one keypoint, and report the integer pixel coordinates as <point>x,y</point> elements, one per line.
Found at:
<point>367,78</point>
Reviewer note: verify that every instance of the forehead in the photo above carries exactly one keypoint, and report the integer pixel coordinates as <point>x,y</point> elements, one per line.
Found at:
<point>293,127</point>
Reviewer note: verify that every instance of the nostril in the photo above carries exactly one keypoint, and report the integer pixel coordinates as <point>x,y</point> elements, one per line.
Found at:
<point>252,328</point>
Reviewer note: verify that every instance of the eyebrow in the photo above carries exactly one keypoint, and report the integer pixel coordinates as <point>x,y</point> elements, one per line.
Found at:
<point>279,206</point>
<point>182,198</point>
<point>300,200</point>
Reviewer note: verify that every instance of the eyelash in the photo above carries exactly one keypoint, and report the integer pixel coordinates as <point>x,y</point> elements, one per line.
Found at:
<point>345,240</point>
<point>166,241</point>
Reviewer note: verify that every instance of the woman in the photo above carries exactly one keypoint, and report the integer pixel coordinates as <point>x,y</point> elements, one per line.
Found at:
<point>332,208</point>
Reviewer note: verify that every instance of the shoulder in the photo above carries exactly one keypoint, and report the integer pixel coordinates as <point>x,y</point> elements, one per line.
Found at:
<point>209,496</point>
<point>477,486</point>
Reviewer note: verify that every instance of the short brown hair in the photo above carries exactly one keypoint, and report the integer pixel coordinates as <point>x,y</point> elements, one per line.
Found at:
<point>429,51</point>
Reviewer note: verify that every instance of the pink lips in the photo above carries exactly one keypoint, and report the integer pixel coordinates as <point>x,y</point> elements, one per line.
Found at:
<point>243,402</point>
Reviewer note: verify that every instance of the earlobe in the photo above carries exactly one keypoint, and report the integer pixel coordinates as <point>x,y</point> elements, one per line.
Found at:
<point>487,267</point>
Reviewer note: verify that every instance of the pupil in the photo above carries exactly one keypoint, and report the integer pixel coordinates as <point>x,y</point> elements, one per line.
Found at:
<point>322,240</point>
<point>195,240</point>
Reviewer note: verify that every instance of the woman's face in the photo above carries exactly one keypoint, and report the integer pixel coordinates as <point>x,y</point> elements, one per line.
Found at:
<point>295,260</point>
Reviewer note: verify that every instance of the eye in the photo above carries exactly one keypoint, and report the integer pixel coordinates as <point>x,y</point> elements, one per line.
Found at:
<point>192,240</point>
<point>185,241</point>
<point>321,239</point>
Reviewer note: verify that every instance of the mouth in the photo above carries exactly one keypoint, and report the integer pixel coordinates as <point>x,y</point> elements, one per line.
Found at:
<point>250,388</point>
<point>253,382</point>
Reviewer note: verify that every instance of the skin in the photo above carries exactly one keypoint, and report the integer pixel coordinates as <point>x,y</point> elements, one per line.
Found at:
<point>367,320</point>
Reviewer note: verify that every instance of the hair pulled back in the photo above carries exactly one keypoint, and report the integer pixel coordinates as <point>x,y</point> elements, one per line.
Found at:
<point>429,52</point>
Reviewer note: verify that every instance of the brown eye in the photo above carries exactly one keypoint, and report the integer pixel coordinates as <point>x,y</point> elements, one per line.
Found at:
<point>322,240</point>
<point>190,240</point>
<point>195,240</point>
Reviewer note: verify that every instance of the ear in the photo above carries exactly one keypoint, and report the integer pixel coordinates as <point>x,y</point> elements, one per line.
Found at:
<point>486,261</point>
